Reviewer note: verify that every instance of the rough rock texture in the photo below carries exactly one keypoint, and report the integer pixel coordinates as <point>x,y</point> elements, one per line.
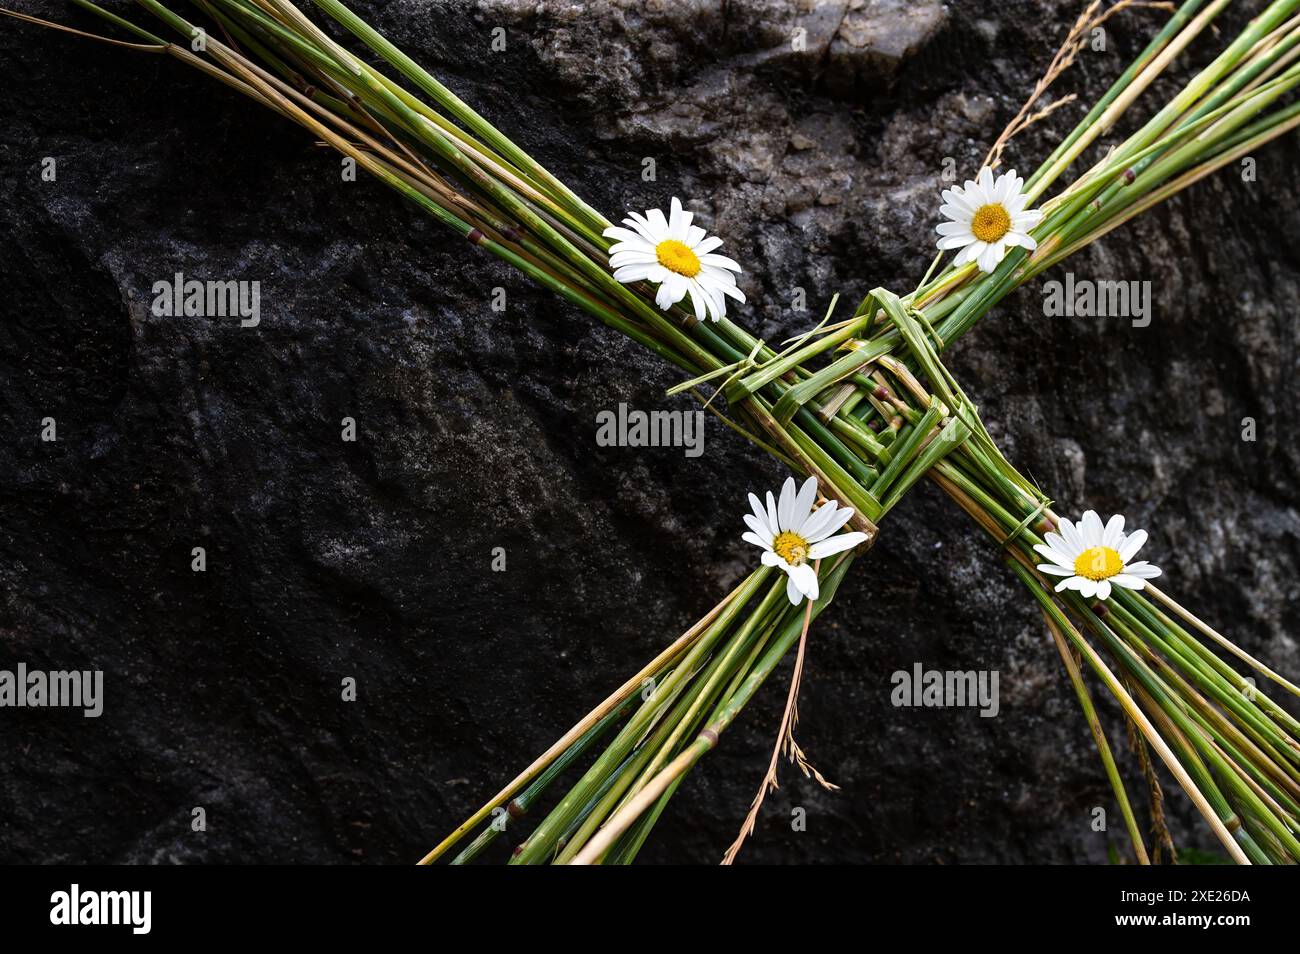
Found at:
<point>371,559</point>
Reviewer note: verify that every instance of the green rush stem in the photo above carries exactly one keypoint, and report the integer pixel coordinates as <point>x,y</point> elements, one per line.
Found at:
<point>1090,128</point>
<point>1256,724</point>
<point>121,22</point>
<point>1162,695</point>
<point>1274,710</point>
<point>1099,736</point>
<point>726,670</point>
<point>539,843</point>
<point>436,139</point>
<point>1280,123</point>
<point>521,803</point>
<point>628,846</point>
<point>1243,753</point>
<point>707,739</point>
<point>1210,812</point>
<point>704,686</point>
<point>476,123</point>
<point>1079,204</point>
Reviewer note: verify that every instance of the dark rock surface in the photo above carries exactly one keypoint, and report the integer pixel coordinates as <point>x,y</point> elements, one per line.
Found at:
<point>371,560</point>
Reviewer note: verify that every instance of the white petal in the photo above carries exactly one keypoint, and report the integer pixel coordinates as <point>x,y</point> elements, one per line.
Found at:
<point>755,539</point>
<point>1128,581</point>
<point>785,506</point>
<point>1132,544</point>
<point>678,220</point>
<point>825,520</point>
<point>1056,542</point>
<point>805,578</point>
<point>1092,529</point>
<point>619,259</point>
<point>990,257</point>
<point>731,291</point>
<point>1023,221</point>
<point>953,228</point>
<point>1113,535</point>
<point>1016,204</point>
<point>1051,569</point>
<point>803,503</point>
<point>632,273</point>
<point>1004,189</point>
<point>1103,589</point>
<point>772,558</point>
<point>674,211</point>
<point>624,235</point>
<point>715,304</point>
<point>1073,538</point>
<point>715,275</point>
<point>664,296</point>
<point>682,230</point>
<point>1143,570</point>
<point>761,513</point>
<point>959,214</point>
<point>845,541</point>
<point>646,229</point>
<point>719,261</point>
<point>658,223</point>
<point>792,592</point>
<point>698,300</point>
<point>970,253</point>
<point>1060,559</point>
<point>760,529</point>
<point>1087,588</point>
<point>959,202</point>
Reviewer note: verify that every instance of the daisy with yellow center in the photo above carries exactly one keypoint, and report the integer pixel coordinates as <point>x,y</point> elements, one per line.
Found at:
<point>676,255</point>
<point>988,217</point>
<point>1092,558</point>
<point>794,536</point>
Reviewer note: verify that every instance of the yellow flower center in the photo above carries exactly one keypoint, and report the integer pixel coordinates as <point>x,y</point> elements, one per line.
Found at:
<point>1098,563</point>
<point>677,257</point>
<point>791,547</point>
<point>990,223</point>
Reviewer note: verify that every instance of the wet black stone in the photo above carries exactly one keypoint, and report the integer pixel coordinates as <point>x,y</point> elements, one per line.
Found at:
<point>476,429</point>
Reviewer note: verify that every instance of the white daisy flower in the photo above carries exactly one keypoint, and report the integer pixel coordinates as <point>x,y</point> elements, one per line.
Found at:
<point>678,257</point>
<point>793,535</point>
<point>1092,557</point>
<point>987,218</point>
